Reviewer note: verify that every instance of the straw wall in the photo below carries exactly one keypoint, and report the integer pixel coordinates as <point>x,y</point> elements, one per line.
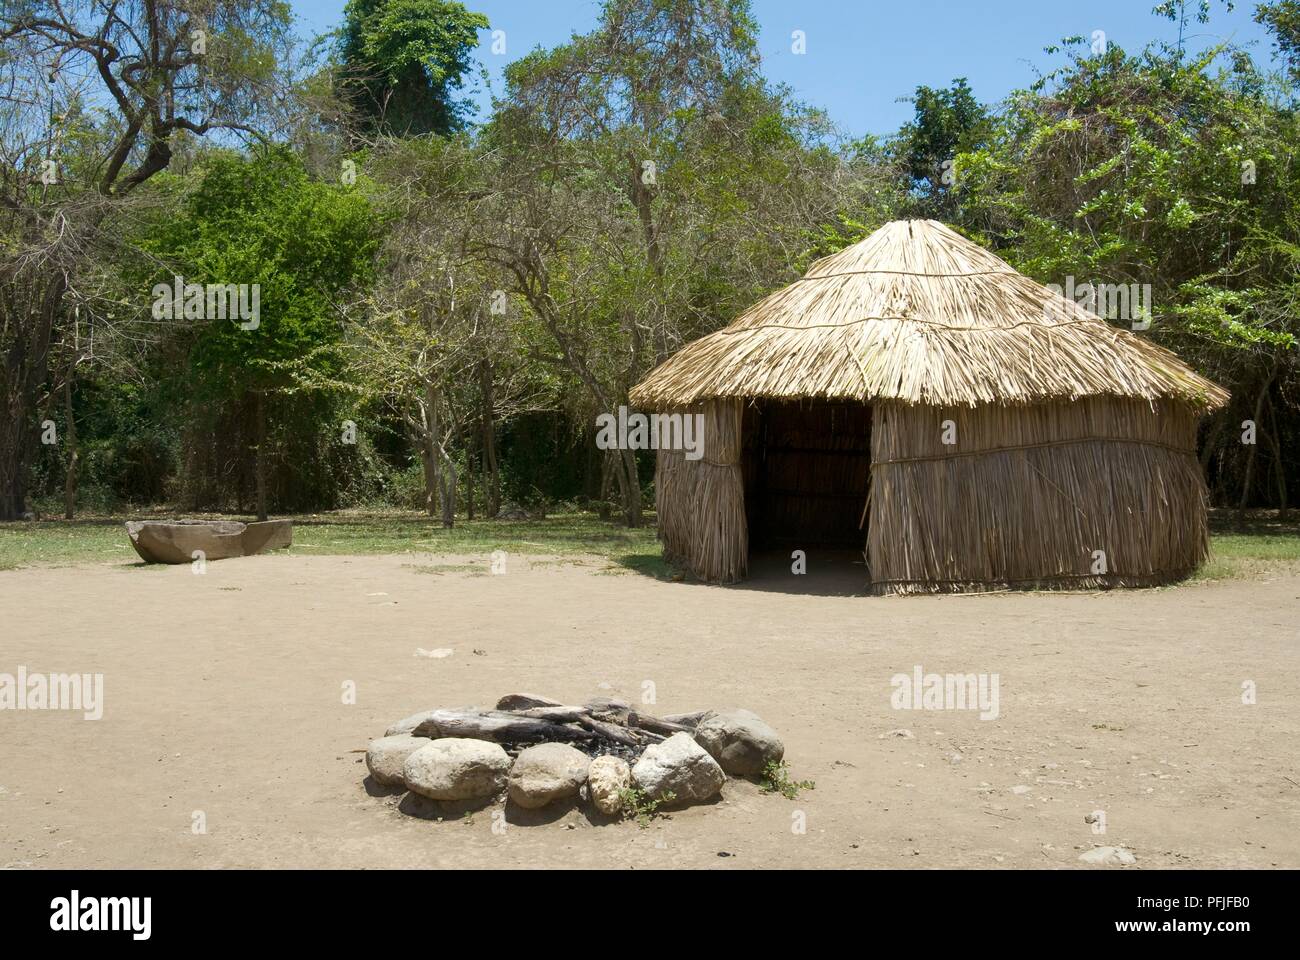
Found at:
<point>701,503</point>
<point>1028,493</point>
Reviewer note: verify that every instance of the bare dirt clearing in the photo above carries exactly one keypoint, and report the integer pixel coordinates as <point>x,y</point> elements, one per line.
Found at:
<point>224,695</point>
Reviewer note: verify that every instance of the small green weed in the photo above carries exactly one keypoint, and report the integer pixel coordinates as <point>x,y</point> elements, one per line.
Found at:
<point>776,779</point>
<point>639,806</point>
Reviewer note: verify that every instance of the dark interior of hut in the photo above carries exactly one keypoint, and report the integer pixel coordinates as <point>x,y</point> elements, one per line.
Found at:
<point>806,469</point>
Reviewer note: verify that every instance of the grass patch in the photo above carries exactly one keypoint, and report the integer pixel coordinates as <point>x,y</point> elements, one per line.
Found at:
<point>437,569</point>
<point>565,535</point>
<point>62,543</point>
<point>344,533</point>
<point>1252,548</point>
<point>1258,547</point>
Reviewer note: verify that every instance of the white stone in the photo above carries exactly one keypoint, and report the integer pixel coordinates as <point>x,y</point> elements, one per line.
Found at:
<point>607,778</point>
<point>1108,855</point>
<point>386,756</point>
<point>546,773</point>
<point>679,766</point>
<point>454,768</point>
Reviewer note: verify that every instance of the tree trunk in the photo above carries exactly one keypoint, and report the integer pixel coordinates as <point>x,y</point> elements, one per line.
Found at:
<point>630,487</point>
<point>429,465</point>
<point>493,491</point>
<point>469,483</point>
<point>1279,471</point>
<point>29,307</point>
<point>70,437</point>
<point>606,484</point>
<point>591,475</point>
<point>260,462</point>
<point>429,450</point>
<point>15,444</point>
<point>448,489</point>
<point>1250,454</point>
<point>1212,439</point>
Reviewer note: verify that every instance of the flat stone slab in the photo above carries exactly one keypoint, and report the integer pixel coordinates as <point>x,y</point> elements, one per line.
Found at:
<point>175,541</point>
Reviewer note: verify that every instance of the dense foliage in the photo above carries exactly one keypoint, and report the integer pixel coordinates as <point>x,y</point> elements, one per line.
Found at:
<point>445,307</point>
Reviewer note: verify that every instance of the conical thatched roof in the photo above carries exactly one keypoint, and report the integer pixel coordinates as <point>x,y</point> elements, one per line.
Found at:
<point>920,314</point>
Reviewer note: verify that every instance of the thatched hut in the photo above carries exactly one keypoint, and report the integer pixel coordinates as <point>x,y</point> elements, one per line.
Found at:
<point>971,427</point>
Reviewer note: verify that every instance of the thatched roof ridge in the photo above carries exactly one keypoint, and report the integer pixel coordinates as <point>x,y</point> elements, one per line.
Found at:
<point>918,313</point>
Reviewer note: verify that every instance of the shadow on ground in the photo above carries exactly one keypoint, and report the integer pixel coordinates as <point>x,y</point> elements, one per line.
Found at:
<point>829,572</point>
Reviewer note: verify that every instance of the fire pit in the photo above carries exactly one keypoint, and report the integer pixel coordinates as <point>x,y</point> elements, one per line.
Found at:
<point>540,751</point>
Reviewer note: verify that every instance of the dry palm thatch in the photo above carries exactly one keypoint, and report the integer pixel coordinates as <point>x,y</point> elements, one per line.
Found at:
<point>920,314</point>
<point>701,503</point>
<point>1072,458</point>
<point>1097,493</point>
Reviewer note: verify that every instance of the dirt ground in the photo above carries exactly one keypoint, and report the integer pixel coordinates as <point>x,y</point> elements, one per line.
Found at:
<point>224,695</point>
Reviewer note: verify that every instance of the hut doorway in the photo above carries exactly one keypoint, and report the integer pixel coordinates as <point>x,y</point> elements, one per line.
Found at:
<point>807,469</point>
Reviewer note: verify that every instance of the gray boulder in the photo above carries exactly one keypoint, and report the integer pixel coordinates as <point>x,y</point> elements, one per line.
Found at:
<point>740,741</point>
<point>546,773</point>
<point>457,769</point>
<point>607,778</point>
<point>679,766</point>
<point>386,757</point>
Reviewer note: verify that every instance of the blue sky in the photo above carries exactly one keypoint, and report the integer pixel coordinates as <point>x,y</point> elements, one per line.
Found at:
<point>863,55</point>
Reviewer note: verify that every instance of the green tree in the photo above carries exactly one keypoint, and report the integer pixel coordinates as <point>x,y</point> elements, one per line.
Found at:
<point>1282,18</point>
<point>402,62</point>
<point>1177,12</point>
<point>1174,172</point>
<point>646,185</point>
<point>947,123</point>
<point>98,97</point>
<point>299,246</point>
<point>434,341</point>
